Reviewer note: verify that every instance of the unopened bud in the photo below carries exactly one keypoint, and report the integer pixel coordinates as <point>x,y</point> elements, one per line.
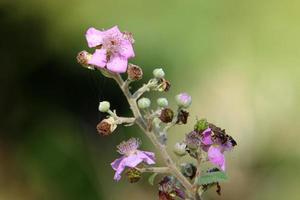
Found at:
<point>183,100</point>
<point>158,73</point>
<point>201,125</point>
<point>83,58</point>
<point>106,126</point>
<point>166,115</point>
<point>133,175</point>
<point>144,103</point>
<point>134,72</point>
<point>180,149</point>
<point>104,106</point>
<point>162,102</point>
<point>188,170</point>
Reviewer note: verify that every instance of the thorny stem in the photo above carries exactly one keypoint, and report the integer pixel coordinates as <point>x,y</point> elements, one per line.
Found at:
<point>140,121</point>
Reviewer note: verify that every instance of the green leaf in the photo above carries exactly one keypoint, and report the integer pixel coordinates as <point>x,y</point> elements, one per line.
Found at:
<point>212,177</point>
<point>152,178</point>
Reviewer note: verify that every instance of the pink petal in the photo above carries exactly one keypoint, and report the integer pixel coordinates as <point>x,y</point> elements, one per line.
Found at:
<point>147,157</point>
<point>126,49</point>
<point>117,64</point>
<point>216,157</point>
<point>94,37</point>
<point>206,137</point>
<point>99,58</point>
<point>115,165</point>
<point>114,31</point>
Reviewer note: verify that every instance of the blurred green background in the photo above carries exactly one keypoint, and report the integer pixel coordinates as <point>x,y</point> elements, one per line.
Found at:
<point>238,59</point>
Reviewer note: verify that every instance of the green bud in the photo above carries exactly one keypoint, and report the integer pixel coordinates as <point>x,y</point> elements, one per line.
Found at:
<point>162,102</point>
<point>201,125</point>
<point>158,73</point>
<point>104,106</point>
<point>144,103</point>
<point>180,149</point>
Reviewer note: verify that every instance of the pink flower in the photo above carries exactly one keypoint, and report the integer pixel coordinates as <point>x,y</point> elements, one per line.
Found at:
<point>113,49</point>
<point>131,157</point>
<point>216,156</point>
<point>215,142</point>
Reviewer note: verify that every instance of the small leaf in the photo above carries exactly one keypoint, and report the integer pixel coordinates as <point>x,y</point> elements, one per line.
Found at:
<point>152,178</point>
<point>212,177</point>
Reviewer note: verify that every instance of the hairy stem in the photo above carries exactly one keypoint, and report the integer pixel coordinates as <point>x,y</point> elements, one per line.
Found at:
<point>140,121</point>
<point>162,170</point>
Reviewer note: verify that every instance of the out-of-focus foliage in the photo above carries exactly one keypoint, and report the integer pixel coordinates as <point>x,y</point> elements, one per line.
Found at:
<point>238,59</point>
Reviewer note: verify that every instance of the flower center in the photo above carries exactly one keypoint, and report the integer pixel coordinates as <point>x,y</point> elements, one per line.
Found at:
<point>129,147</point>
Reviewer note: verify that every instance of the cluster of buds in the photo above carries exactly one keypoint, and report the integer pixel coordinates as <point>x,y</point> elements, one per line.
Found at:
<point>206,142</point>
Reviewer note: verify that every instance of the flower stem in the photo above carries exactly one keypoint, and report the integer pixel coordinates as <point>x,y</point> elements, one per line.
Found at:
<point>140,121</point>
<point>162,170</point>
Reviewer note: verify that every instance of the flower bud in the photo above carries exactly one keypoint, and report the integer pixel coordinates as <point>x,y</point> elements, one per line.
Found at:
<point>183,100</point>
<point>162,102</point>
<point>180,149</point>
<point>166,115</point>
<point>133,175</point>
<point>104,106</point>
<point>134,72</point>
<point>158,73</point>
<point>106,126</point>
<point>188,170</point>
<point>201,125</point>
<point>83,58</point>
<point>164,85</point>
<point>144,103</point>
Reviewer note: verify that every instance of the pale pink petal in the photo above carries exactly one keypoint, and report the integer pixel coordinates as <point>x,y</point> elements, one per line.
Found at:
<point>216,157</point>
<point>99,58</point>
<point>126,49</point>
<point>147,157</point>
<point>206,137</point>
<point>114,31</point>
<point>117,64</point>
<point>94,37</point>
<point>115,165</point>
<point>120,164</point>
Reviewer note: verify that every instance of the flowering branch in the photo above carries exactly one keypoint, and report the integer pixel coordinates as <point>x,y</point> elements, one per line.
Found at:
<point>140,121</point>
<point>206,142</point>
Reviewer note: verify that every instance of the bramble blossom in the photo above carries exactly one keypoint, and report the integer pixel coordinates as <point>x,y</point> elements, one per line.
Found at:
<point>131,157</point>
<point>215,142</point>
<point>113,48</point>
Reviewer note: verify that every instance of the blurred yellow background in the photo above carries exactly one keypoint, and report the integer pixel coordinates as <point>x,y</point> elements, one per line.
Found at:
<point>238,59</point>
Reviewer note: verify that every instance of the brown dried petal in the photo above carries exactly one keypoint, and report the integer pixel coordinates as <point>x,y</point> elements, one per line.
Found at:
<point>166,115</point>
<point>182,117</point>
<point>134,72</point>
